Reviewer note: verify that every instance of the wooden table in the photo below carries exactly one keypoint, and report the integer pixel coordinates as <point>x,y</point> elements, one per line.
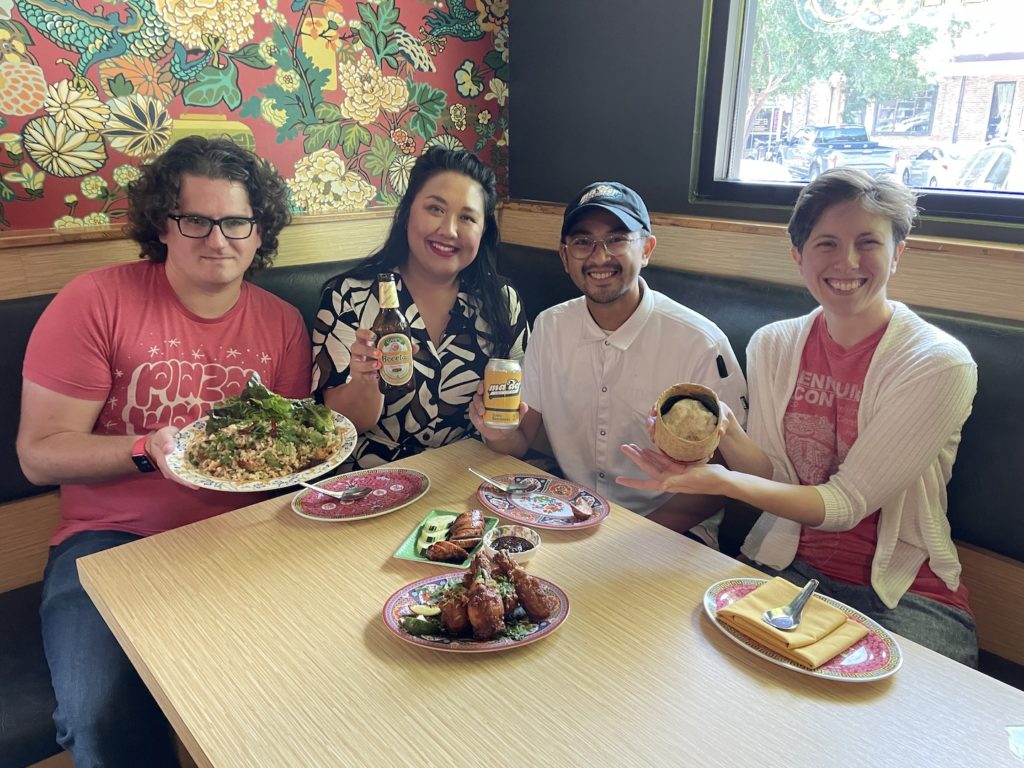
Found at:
<point>260,634</point>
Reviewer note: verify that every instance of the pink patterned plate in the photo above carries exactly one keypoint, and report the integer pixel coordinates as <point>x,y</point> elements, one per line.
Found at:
<point>546,505</point>
<point>875,656</point>
<point>392,489</point>
<point>398,606</point>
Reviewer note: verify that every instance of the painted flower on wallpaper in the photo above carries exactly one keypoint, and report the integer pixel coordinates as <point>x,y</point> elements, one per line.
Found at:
<point>61,150</point>
<point>125,175</point>
<point>24,87</point>
<point>10,141</point>
<point>28,177</point>
<point>322,184</point>
<point>94,187</point>
<point>404,141</point>
<point>399,172</point>
<point>269,111</point>
<point>501,43</point>
<point>11,47</point>
<point>445,140</point>
<point>68,222</point>
<point>484,117</point>
<point>457,112</point>
<point>467,81</point>
<point>492,14</point>
<point>209,24</point>
<point>368,91</point>
<point>498,92</point>
<point>70,106</point>
<point>96,219</point>
<point>139,126</point>
<point>145,76</point>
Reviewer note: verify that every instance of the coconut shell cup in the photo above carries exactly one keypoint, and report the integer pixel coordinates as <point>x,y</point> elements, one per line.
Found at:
<point>675,446</point>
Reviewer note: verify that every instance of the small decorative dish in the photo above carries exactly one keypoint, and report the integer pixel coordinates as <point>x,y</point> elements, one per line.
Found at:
<point>520,542</point>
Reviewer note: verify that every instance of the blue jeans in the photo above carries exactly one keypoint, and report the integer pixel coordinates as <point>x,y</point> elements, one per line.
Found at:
<point>105,716</point>
<point>943,628</point>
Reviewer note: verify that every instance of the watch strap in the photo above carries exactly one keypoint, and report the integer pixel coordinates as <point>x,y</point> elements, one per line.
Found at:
<point>141,456</point>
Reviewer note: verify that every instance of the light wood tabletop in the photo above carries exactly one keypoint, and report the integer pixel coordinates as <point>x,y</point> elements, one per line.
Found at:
<point>261,635</point>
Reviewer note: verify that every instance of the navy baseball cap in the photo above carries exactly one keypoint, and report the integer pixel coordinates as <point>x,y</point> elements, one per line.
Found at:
<point>613,197</point>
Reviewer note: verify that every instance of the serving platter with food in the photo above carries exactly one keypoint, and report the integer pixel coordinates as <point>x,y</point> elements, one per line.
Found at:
<point>494,606</point>
<point>550,502</point>
<point>390,489</point>
<point>447,538</point>
<point>260,441</point>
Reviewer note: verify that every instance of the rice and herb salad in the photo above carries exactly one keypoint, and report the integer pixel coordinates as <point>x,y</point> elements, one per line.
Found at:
<point>257,435</point>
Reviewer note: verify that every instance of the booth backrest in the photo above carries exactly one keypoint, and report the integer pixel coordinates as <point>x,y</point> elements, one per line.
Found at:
<point>986,505</point>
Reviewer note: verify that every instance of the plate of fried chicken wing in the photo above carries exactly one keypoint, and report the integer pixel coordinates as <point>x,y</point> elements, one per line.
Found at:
<point>494,606</point>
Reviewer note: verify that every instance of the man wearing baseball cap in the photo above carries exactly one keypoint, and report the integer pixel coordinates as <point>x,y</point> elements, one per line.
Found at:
<point>596,364</point>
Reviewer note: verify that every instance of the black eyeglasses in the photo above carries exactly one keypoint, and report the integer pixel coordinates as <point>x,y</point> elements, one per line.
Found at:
<point>198,227</point>
<point>581,246</point>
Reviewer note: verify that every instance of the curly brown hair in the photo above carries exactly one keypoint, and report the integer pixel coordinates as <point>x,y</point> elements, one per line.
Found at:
<point>155,193</point>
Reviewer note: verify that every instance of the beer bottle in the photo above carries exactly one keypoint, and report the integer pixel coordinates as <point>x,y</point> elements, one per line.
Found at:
<point>393,340</point>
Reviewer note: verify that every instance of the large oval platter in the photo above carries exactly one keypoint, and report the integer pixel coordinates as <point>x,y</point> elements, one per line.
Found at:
<point>546,505</point>
<point>875,656</point>
<point>400,603</point>
<point>180,466</point>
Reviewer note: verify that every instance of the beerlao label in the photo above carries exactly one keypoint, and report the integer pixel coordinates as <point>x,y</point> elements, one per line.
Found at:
<point>501,398</point>
<point>396,358</point>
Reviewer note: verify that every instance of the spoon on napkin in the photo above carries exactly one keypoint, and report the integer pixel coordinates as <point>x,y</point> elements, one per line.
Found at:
<point>787,617</point>
<point>351,493</point>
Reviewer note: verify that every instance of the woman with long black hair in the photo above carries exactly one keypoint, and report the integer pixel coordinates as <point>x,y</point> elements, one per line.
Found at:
<point>443,250</point>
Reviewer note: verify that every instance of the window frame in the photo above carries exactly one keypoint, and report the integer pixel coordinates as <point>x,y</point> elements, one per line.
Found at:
<point>996,216</point>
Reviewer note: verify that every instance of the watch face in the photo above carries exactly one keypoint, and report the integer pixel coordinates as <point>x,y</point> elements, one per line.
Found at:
<point>143,463</point>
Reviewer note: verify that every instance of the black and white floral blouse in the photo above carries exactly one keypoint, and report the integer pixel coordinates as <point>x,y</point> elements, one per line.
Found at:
<point>437,411</point>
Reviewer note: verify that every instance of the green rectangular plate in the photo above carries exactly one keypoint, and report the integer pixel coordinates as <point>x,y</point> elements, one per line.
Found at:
<point>408,549</point>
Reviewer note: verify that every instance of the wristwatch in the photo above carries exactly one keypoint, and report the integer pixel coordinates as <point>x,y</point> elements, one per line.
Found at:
<point>142,459</point>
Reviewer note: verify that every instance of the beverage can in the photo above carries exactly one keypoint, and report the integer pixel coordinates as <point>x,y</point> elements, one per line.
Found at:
<point>502,382</point>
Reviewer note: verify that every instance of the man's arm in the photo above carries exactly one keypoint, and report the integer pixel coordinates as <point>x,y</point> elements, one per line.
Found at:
<point>56,445</point>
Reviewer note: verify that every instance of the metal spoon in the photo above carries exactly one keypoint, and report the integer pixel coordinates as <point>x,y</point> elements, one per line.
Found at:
<point>351,493</point>
<point>518,487</point>
<point>787,617</point>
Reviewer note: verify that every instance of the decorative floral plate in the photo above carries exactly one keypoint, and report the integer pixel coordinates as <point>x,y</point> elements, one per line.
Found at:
<point>407,550</point>
<point>393,489</point>
<point>398,606</point>
<point>546,505</point>
<point>871,658</point>
<point>179,465</point>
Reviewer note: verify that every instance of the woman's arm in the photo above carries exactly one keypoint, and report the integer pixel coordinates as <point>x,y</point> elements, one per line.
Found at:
<point>359,399</point>
<point>802,504</point>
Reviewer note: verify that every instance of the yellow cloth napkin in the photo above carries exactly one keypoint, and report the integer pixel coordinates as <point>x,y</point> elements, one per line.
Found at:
<point>824,630</point>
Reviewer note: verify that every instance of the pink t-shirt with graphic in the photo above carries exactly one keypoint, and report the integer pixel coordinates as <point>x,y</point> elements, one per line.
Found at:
<point>121,335</point>
<point>820,426</point>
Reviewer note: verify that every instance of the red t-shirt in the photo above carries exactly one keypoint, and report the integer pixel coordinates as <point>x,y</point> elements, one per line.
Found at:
<point>121,335</point>
<point>820,425</point>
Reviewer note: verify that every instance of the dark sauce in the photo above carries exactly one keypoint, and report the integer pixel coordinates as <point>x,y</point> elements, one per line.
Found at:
<point>511,544</point>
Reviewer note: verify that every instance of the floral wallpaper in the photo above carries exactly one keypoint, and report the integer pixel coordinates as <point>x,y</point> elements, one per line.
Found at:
<point>341,96</point>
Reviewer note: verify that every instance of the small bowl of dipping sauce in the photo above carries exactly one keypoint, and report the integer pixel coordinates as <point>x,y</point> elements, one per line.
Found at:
<point>518,541</point>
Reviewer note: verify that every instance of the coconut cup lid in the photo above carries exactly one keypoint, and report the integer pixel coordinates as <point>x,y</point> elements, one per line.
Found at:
<point>678,447</point>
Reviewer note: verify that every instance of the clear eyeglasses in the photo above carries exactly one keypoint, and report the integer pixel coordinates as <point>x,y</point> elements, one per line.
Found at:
<point>198,227</point>
<point>581,246</point>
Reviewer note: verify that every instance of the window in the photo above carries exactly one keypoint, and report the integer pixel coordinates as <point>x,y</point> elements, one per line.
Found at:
<point>810,84</point>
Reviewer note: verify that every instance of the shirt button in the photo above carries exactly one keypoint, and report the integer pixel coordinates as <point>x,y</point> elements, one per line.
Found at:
<point>607,343</point>
<point>601,475</point>
<point>603,433</point>
<point>604,389</point>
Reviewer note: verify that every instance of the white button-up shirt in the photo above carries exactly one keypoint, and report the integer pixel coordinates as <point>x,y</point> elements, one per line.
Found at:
<point>594,389</point>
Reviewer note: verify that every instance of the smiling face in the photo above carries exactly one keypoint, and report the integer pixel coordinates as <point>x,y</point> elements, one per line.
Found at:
<point>846,263</point>
<point>610,283</point>
<point>446,224</point>
<point>212,265</point>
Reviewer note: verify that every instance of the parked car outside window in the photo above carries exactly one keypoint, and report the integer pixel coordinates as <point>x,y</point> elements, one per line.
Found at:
<point>939,165</point>
<point>996,167</point>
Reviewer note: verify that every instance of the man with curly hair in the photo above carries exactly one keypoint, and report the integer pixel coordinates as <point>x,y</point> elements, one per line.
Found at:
<point>122,359</point>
